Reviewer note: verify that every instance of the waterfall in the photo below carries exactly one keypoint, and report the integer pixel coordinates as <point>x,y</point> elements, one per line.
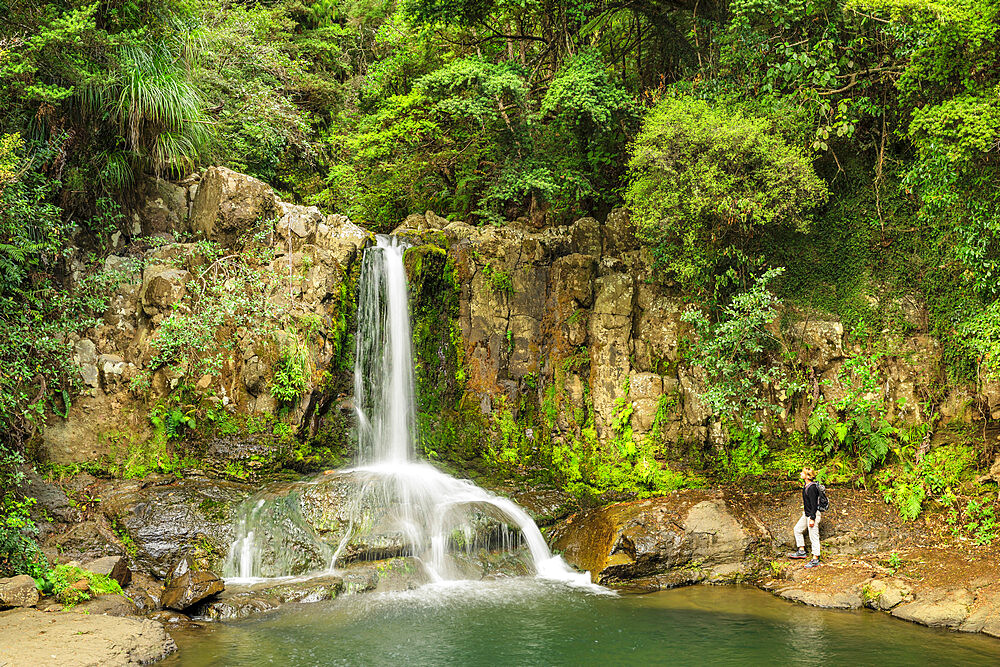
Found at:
<point>398,504</point>
<point>383,361</point>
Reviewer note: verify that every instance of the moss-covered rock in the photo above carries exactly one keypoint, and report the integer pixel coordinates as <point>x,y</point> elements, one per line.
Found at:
<point>163,520</point>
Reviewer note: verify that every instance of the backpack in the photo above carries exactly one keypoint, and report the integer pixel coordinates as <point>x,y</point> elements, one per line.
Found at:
<point>822,502</point>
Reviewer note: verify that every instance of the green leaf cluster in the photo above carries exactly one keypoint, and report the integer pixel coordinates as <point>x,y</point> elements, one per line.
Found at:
<point>737,353</point>
<point>19,552</point>
<point>704,182</point>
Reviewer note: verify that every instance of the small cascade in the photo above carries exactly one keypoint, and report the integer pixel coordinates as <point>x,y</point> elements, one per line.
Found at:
<point>273,539</point>
<point>396,504</point>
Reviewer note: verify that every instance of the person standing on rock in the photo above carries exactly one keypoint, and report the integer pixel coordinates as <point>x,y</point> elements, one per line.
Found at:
<point>810,518</point>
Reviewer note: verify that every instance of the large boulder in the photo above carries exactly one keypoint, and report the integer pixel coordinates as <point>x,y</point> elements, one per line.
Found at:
<point>191,588</point>
<point>164,207</point>
<point>19,591</point>
<point>333,506</point>
<point>628,541</point>
<point>937,608</point>
<point>228,203</point>
<point>586,237</point>
<point>85,356</point>
<point>163,286</point>
<point>113,567</point>
<point>244,601</point>
<point>86,541</point>
<point>272,526</point>
<point>985,613</point>
<point>109,605</point>
<point>619,232</point>
<point>50,500</point>
<point>171,519</point>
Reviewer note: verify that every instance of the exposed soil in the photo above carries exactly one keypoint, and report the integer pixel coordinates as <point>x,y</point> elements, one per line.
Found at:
<point>32,637</point>
<point>917,571</point>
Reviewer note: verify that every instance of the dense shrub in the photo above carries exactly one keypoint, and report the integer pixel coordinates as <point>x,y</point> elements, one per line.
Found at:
<point>19,553</point>
<point>705,184</point>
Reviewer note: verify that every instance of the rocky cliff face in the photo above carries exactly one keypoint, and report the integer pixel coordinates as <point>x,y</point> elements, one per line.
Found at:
<point>194,325</point>
<point>559,337</point>
<point>567,330</point>
<point>555,351</point>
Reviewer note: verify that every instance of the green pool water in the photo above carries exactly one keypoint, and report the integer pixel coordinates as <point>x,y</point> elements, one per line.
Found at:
<point>530,622</point>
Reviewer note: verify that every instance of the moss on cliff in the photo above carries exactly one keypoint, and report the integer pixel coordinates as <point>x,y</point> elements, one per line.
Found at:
<point>499,437</point>
<point>325,438</point>
<point>448,429</point>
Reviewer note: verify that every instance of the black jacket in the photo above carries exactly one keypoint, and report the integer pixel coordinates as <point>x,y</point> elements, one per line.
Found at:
<point>810,498</point>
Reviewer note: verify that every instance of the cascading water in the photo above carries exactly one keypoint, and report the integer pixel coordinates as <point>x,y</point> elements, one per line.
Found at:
<point>383,364</point>
<point>399,505</point>
<point>273,538</point>
<point>431,507</point>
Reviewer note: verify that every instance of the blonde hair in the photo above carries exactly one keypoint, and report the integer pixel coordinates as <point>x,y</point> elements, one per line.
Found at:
<point>809,473</point>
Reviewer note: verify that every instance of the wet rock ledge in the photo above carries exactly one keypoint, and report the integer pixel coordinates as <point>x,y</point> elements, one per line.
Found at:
<point>871,558</point>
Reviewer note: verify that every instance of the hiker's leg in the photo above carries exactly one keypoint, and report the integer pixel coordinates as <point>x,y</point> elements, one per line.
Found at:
<point>800,527</point>
<point>814,535</point>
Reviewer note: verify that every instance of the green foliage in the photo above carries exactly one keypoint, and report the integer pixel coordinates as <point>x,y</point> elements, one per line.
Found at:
<point>19,553</point>
<point>291,373</point>
<point>856,422</point>
<point>622,437</point>
<point>797,453</point>
<point>704,182</point>
<point>173,422</point>
<point>751,112</point>
<point>122,534</point>
<point>157,109</point>
<point>130,456</point>
<point>58,582</point>
<point>584,97</point>
<point>257,69</point>
<point>736,352</point>
<point>940,474</point>
<point>219,420</point>
<point>977,519</point>
<point>624,467</point>
<point>329,448</point>
<point>37,313</point>
<point>499,279</point>
<point>473,90</point>
<point>745,455</point>
<point>511,445</point>
<point>956,191</point>
<point>225,295</point>
<point>906,492</point>
<point>119,80</point>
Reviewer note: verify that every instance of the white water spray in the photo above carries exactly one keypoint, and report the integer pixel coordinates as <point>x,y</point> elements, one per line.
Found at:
<point>432,507</point>
<point>383,362</point>
<point>434,515</point>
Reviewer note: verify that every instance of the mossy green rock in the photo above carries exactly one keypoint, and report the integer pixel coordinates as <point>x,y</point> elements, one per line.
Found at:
<point>168,519</point>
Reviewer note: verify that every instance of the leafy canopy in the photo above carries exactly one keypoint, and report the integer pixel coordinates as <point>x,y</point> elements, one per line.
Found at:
<point>704,181</point>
